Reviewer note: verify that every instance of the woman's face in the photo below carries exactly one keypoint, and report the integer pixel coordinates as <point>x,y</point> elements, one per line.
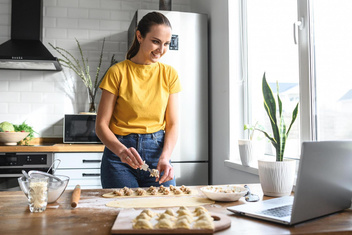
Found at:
<point>155,44</point>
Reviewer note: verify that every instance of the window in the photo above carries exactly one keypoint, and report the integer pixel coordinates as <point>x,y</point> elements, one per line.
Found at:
<point>332,43</point>
<point>269,48</point>
<point>316,71</point>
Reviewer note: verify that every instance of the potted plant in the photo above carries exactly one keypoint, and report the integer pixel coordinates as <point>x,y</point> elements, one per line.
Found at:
<point>276,177</point>
<point>251,148</point>
<point>81,68</point>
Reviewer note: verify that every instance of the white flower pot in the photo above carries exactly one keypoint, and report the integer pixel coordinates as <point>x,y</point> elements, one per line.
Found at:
<point>276,178</point>
<point>250,150</point>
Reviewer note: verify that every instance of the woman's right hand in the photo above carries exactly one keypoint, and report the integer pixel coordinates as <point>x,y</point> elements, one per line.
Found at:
<point>131,157</point>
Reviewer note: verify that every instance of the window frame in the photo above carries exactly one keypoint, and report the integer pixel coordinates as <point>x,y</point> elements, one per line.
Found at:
<point>307,102</point>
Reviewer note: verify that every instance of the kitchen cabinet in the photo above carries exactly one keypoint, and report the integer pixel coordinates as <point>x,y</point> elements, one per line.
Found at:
<point>82,168</point>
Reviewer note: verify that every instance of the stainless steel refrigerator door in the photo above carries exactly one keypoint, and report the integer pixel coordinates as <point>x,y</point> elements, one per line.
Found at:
<point>190,59</point>
<point>191,173</point>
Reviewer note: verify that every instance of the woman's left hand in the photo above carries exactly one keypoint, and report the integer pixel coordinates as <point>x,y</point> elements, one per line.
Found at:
<point>164,166</point>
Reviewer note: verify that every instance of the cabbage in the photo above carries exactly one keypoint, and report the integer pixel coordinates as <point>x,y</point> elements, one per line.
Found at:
<point>6,126</point>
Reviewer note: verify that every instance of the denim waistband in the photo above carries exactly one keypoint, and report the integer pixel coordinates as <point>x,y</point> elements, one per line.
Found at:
<point>143,136</point>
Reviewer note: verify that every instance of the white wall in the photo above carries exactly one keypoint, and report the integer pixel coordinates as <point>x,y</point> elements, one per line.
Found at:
<point>224,74</point>
<point>42,98</point>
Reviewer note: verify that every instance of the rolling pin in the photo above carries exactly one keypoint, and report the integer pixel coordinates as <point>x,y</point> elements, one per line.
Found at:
<point>76,195</point>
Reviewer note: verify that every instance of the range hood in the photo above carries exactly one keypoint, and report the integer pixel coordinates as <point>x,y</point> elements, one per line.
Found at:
<point>25,49</point>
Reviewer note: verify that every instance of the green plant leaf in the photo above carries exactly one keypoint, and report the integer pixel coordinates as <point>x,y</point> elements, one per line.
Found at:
<point>279,129</point>
<point>270,108</point>
<point>294,116</point>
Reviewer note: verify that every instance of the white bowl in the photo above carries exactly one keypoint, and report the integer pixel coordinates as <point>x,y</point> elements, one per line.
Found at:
<point>224,193</point>
<point>11,138</point>
<point>55,189</point>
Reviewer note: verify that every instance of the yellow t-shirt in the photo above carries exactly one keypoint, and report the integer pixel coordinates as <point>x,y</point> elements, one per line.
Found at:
<point>142,95</point>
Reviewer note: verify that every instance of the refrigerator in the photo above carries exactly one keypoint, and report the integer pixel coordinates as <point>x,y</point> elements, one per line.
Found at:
<point>188,54</point>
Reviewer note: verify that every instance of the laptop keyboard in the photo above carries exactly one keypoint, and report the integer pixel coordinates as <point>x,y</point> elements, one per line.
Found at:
<point>281,211</point>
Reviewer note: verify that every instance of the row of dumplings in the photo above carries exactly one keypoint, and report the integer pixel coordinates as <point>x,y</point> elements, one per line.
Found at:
<point>200,218</point>
<point>153,191</point>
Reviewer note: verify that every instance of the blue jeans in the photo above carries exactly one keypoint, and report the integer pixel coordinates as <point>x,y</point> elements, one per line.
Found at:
<point>116,174</point>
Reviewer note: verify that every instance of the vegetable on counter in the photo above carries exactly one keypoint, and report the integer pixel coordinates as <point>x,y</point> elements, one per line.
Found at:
<point>24,127</point>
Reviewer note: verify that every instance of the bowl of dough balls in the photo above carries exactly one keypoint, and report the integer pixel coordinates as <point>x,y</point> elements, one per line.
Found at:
<point>224,193</point>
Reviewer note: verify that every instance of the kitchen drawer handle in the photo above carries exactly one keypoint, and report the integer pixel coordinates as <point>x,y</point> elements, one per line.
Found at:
<point>90,175</point>
<point>91,161</point>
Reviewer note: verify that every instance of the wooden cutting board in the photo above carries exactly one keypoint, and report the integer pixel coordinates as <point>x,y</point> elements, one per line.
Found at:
<point>123,224</point>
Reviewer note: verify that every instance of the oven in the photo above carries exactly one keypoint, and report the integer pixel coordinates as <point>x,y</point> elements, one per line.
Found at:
<point>12,164</point>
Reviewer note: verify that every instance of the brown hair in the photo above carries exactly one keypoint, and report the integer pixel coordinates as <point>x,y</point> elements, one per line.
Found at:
<point>144,25</point>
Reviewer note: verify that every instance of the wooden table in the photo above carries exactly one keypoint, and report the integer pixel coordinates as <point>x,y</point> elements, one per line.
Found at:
<point>93,217</point>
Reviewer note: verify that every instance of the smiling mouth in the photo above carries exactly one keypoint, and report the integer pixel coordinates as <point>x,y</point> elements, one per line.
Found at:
<point>156,55</point>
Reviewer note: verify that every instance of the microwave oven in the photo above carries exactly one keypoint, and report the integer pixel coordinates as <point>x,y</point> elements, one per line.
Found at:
<point>80,128</point>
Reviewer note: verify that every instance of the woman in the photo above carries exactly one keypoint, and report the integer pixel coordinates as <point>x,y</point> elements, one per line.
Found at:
<point>137,118</point>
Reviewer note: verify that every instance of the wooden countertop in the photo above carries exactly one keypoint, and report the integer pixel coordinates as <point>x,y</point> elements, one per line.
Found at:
<point>91,216</point>
<point>51,145</point>
<point>55,148</point>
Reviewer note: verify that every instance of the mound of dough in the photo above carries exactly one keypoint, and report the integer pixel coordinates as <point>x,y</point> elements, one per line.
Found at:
<point>182,223</point>
<point>165,223</point>
<point>148,219</point>
<point>142,224</point>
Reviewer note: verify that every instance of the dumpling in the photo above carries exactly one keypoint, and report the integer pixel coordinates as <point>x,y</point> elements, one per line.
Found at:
<point>186,217</point>
<point>184,212</point>
<point>203,224</point>
<point>170,212</point>
<point>182,223</point>
<point>166,216</point>
<point>143,216</point>
<point>198,208</point>
<point>205,217</point>
<point>200,211</point>
<point>140,192</point>
<point>149,212</point>
<point>164,223</point>
<point>142,224</point>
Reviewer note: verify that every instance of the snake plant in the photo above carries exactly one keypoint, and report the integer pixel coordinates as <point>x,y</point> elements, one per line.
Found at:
<point>278,126</point>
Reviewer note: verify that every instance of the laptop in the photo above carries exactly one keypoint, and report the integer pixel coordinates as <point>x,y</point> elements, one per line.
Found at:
<point>324,186</point>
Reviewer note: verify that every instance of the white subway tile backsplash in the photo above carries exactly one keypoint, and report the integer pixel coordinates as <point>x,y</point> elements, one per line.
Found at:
<point>78,33</point>
<point>120,15</point>
<point>43,108</point>
<point>95,4</point>
<point>56,12</point>
<point>10,97</point>
<point>77,13</point>
<point>20,85</point>
<point>53,97</point>
<point>5,8</point>
<point>5,32</point>
<point>19,108</point>
<point>31,97</point>
<point>42,98</point>
<point>5,19</point>
<point>88,23</point>
<point>55,33</point>
<point>110,25</point>
<point>67,3</point>
<point>4,86</point>
<point>50,3</point>
<point>43,86</point>
<point>99,34</point>
<point>99,14</point>
<point>131,5</point>
<point>49,22</point>
<point>111,4</point>
<point>67,23</point>
<point>3,109</point>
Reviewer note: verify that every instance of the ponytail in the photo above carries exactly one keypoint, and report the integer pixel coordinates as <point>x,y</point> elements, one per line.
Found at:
<point>144,26</point>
